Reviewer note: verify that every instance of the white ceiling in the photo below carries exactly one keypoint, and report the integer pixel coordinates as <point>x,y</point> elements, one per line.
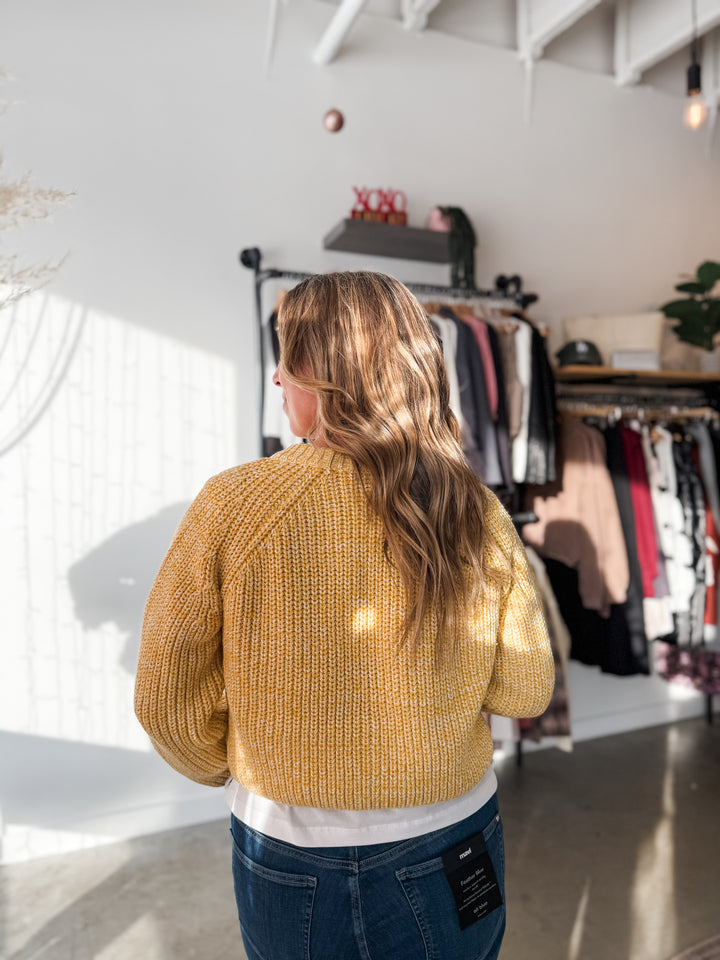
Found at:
<point>637,41</point>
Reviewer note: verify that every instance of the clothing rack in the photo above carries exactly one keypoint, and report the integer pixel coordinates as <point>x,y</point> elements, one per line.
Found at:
<point>614,412</point>
<point>506,288</point>
<point>596,402</point>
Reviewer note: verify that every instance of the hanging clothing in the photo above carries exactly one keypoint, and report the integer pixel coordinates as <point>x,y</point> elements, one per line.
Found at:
<point>513,386</point>
<point>657,610</point>
<point>502,430</point>
<point>627,641</point>
<point>707,466</point>
<point>616,640</point>
<point>694,667</point>
<point>642,508</point>
<point>587,629</point>
<point>447,335</point>
<point>555,722</point>
<point>674,543</point>
<point>709,475</point>
<point>482,338</point>
<point>578,520</point>
<point>692,499</point>
<point>523,354</point>
<point>479,439</point>
<point>541,420</point>
<point>712,574</point>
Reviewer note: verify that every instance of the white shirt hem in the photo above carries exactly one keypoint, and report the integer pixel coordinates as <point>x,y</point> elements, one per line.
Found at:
<point>318,827</point>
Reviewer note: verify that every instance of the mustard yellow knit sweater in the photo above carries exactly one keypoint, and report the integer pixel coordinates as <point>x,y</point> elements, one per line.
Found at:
<point>270,648</point>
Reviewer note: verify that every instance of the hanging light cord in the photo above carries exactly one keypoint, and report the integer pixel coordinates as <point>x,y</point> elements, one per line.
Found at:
<point>694,82</point>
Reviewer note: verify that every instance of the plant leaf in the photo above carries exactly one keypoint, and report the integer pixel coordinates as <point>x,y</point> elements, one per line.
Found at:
<point>693,334</point>
<point>684,310</point>
<point>691,288</point>
<point>708,273</point>
<point>712,310</point>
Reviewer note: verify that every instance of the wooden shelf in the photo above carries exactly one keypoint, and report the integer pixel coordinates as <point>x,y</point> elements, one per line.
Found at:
<point>388,240</point>
<point>586,374</point>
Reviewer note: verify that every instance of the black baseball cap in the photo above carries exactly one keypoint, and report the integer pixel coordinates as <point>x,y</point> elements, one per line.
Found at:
<point>578,352</point>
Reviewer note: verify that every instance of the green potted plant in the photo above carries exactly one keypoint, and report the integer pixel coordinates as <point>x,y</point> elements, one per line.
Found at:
<point>698,314</point>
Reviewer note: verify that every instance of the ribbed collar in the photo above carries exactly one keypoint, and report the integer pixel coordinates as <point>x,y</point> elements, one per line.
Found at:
<point>310,455</point>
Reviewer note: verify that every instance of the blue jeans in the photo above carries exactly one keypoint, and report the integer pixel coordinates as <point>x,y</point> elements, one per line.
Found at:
<point>385,901</point>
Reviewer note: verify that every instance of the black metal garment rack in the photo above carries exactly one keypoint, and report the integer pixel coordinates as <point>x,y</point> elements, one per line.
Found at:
<point>506,288</point>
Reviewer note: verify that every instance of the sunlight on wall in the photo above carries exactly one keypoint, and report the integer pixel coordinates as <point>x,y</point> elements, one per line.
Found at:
<point>107,431</point>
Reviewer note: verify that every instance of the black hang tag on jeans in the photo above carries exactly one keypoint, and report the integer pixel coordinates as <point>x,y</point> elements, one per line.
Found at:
<point>471,875</point>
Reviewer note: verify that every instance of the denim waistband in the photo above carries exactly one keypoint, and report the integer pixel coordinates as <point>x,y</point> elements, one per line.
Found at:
<point>361,858</point>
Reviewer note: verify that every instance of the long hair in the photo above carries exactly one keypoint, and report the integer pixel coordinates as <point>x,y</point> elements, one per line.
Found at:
<point>364,345</point>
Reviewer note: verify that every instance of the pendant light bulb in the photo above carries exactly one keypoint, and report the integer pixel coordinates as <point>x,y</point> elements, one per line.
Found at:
<point>695,112</point>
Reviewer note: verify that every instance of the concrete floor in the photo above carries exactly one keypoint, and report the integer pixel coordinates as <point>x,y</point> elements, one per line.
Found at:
<point>613,854</point>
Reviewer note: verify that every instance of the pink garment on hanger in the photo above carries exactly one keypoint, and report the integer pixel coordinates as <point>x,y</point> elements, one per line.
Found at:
<point>482,337</point>
<point>712,560</point>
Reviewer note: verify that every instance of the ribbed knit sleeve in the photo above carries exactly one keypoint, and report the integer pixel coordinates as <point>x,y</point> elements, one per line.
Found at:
<point>180,689</point>
<point>523,675</point>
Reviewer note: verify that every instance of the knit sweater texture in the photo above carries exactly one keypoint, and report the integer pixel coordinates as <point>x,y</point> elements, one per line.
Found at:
<point>271,648</point>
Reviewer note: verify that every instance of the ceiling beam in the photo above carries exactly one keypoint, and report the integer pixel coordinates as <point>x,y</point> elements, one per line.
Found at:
<point>415,13</point>
<point>648,31</point>
<point>331,41</point>
<point>541,21</point>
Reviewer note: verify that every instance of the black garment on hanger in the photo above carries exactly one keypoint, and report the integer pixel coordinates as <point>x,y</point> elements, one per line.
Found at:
<point>541,423</point>
<point>502,421</point>
<point>627,643</point>
<point>715,440</point>
<point>587,628</point>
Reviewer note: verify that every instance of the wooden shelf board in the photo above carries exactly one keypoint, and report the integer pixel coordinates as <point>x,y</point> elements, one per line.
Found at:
<point>388,240</point>
<point>584,374</point>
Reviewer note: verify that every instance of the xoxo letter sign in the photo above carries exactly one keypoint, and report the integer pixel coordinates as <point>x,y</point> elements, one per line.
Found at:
<point>384,206</point>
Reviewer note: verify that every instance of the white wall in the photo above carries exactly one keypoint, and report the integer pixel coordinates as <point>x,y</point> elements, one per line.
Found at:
<point>137,373</point>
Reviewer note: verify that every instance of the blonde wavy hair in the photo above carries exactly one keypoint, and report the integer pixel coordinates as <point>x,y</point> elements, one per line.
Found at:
<point>364,345</point>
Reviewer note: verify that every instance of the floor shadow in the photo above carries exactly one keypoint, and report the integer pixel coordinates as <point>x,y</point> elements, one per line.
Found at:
<point>135,907</point>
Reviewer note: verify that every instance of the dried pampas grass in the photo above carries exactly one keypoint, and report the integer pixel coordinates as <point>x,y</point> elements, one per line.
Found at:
<point>21,201</point>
